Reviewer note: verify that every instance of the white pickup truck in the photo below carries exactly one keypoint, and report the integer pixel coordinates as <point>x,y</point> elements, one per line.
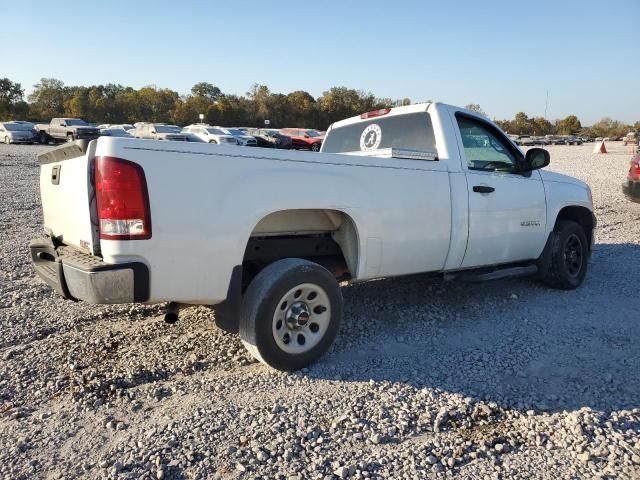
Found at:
<point>267,235</point>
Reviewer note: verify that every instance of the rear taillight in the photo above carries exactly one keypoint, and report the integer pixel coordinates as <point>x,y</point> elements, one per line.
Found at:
<point>375,113</point>
<point>122,200</point>
<point>634,171</point>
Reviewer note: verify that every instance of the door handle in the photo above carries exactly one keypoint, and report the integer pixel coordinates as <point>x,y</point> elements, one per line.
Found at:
<point>483,189</point>
<point>55,174</point>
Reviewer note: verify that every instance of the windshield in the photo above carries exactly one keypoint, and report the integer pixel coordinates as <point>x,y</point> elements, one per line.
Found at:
<point>234,131</point>
<point>166,129</point>
<point>116,132</point>
<point>215,131</point>
<point>75,122</point>
<point>411,130</point>
<point>17,127</point>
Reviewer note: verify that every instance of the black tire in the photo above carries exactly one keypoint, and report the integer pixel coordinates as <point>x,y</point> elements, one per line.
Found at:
<point>213,142</point>
<point>262,301</point>
<point>44,139</point>
<point>315,147</point>
<point>568,256</point>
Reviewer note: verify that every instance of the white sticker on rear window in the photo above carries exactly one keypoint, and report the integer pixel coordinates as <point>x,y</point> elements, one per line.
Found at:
<point>371,138</point>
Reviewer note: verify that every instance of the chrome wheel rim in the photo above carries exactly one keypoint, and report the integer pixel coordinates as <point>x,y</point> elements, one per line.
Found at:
<point>301,318</point>
<point>573,255</point>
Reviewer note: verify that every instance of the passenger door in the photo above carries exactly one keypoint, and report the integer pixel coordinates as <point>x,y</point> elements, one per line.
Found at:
<point>507,208</point>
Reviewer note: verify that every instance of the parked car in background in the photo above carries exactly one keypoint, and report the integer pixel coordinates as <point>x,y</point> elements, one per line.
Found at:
<point>572,140</point>
<point>241,137</point>
<point>630,139</point>
<point>631,188</point>
<point>210,134</point>
<point>555,140</point>
<point>540,141</point>
<point>304,138</point>
<point>124,126</point>
<point>525,140</point>
<point>15,132</point>
<point>159,131</point>
<point>66,129</point>
<point>114,131</point>
<point>270,138</point>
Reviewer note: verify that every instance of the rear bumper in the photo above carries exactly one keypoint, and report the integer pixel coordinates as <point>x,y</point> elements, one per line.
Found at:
<point>79,276</point>
<point>632,190</point>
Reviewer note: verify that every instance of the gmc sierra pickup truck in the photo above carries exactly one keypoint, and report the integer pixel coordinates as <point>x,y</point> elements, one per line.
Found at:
<point>65,130</point>
<point>267,236</point>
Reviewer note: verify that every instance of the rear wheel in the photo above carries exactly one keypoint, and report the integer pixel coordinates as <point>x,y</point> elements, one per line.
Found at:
<point>43,138</point>
<point>69,137</point>
<point>291,313</point>
<point>569,256</point>
<point>213,141</point>
<point>315,147</point>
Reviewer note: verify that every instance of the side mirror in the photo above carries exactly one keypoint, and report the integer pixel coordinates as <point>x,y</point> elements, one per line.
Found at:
<point>536,158</point>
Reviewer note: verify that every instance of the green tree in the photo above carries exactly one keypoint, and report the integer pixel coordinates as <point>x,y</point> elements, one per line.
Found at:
<point>521,124</point>
<point>206,90</point>
<point>542,126</point>
<point>11,99</point>
<point>474,107</point>
<point>569,125</point>
<point>47,99</point>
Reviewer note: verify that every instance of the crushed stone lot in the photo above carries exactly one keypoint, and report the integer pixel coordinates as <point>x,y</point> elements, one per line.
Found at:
<point>427,378</point>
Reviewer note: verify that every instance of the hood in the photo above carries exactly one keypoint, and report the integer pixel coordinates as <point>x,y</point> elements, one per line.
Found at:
<point>548,176</point>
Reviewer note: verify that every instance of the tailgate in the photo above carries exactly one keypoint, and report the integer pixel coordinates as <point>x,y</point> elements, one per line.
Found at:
<point>66,189</point>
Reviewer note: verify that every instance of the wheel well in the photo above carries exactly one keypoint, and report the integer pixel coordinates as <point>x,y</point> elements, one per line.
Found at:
<point>324,236</point>
<point>580,215</point>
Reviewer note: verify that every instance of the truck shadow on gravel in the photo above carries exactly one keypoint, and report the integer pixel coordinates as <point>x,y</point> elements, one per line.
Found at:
<point>513,342</point>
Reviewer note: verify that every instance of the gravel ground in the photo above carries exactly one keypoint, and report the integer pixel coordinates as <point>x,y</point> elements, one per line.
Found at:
<point>427,378</point>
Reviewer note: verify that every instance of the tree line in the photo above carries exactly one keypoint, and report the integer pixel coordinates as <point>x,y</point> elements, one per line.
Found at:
<point>114,103</point>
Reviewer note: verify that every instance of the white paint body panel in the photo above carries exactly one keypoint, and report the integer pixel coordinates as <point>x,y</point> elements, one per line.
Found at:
<point>410,216</point>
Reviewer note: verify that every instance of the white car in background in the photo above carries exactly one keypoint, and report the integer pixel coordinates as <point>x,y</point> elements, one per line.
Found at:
<point>210,134</point>
<point>16,132</point>
<point>242,138</point>
<point>114,131</point>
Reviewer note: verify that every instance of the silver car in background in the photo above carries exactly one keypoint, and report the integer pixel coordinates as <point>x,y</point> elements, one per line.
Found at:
<point>114,131</point>
<point>17,132</point>
<point>242,138</point>
<point>209,134</point>
<point>158,131</point>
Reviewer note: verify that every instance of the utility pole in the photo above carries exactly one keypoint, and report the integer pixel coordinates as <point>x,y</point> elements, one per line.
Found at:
<point>546,105</point>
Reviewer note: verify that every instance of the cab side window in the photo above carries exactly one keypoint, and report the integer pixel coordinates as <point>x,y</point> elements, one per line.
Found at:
<point>483,148</point>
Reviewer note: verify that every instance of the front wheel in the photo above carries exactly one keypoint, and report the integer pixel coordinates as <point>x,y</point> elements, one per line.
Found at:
<point>569,256</point>
<point>69,137</point>
<point>315,147</point>
<point>7,140</point>
<point>290,314</point>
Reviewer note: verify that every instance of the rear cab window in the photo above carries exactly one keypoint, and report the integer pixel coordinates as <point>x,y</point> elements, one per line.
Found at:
<point>409,131</point>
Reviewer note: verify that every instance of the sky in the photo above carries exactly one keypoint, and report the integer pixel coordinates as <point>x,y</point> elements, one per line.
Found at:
<point>503,55</point>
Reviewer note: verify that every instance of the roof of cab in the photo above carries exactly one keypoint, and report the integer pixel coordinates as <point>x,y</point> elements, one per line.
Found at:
<point>417,107</point>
